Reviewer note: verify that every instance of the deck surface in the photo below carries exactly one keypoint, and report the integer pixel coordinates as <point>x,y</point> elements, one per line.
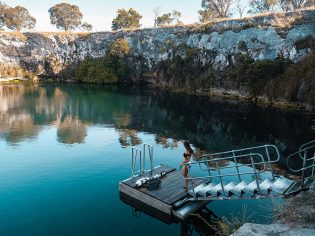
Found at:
<point>171,188</point>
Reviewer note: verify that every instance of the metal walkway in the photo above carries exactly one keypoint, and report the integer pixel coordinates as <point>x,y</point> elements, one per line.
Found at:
<point>238,174</point>
<point>254,170</point>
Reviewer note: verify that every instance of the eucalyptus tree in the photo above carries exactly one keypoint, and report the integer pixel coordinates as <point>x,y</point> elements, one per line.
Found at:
<point>218,8</point>
<point>18,18</point>
<point>126,19</point>
<point>156,11</point>
<point>3,9</point>
<point>261,6</point>
<point>169,18</point>
<point>86,26</point>
<point>65,16</point>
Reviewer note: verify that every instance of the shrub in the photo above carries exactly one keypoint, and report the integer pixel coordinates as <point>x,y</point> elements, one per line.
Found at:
<point>307,42</point>
<point>255,75</point>
<point>105,70</point>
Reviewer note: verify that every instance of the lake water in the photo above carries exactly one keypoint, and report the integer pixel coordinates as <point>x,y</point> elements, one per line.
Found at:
<point>64,149</point>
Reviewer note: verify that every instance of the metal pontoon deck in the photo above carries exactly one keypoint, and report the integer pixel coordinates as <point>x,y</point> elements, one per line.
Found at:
<point>251,168</point>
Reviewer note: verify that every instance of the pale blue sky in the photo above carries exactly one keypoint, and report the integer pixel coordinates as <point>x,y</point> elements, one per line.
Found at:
<point>100,13</point>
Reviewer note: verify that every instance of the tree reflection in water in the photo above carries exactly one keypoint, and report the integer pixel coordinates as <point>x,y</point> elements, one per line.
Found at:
<point>211,125</point>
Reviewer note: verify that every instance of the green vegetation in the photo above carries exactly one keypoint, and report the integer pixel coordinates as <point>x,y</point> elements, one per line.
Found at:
<point>254,75</point>
<point>126,19</point>
<point>109,69</point>
<point>296,84</point>
<point>307,42</point>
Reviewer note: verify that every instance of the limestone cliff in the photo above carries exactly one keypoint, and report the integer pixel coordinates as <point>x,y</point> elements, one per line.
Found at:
<point>211,50</point>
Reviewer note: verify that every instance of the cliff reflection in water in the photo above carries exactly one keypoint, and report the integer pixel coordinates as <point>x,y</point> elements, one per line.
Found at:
<point>211,125</point>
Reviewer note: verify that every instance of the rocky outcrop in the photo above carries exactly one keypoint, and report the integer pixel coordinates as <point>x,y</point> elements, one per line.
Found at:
<point>250,229</point>
<point>188,56</point>
<point>295,217</point>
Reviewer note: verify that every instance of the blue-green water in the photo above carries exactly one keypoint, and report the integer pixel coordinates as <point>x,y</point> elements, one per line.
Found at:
<point>64,149</point>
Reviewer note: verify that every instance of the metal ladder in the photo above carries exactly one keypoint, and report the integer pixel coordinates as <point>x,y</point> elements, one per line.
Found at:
<point>136,153</point>
<point>253,161</point>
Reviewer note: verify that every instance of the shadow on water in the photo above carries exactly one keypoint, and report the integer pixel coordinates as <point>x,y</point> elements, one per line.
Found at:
<point>203,222</point>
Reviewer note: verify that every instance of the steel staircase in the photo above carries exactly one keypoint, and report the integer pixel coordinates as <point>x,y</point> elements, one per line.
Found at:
<point>254,170</point>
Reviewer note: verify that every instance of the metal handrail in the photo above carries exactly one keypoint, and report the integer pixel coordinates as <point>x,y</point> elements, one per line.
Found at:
<point>134,155</point>
<point>149,147</point>
<point>302,154</point>
<point>306,144</point>
<point>304,158</point>
<point>265,150</point>
<point>232,157</point>
<point>220,176</point>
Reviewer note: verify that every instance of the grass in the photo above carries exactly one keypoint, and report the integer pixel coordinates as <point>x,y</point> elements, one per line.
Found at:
<point>297,210</point>
<point>227,226</point>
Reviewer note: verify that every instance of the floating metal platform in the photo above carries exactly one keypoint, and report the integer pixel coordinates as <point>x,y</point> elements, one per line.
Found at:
<point>166,201</point>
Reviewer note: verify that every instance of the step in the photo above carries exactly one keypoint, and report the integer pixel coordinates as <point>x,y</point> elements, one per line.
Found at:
<point>237,190</point>
<point>227,188</point>
<point>215,191</point>
<point>251,188</point>
<point>204,192</point>
<point>265,186</point>
<point>197,189</point>
<point>281,185</point>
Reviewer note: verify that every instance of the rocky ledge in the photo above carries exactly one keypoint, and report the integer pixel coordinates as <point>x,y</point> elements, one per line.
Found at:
<point>296,217</point>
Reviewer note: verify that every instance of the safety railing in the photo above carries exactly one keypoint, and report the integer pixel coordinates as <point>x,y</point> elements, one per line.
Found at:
<point>306,154</point>
<point>270,154</point>
<point>258,167</point>
<point>136,153</point>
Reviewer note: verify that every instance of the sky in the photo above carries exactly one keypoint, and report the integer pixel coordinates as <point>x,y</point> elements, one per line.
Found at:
<point>100,13</point>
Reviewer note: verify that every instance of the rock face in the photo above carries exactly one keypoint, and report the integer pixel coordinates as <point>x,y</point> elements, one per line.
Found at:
<point>296,217</point>
<point>249,229</point>
<point>211,48</point>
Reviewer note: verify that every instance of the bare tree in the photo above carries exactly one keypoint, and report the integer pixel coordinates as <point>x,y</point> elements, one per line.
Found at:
<point>156,11</point>
<point>293,5</point>
<point>260,6</point>
<point>240,6</point>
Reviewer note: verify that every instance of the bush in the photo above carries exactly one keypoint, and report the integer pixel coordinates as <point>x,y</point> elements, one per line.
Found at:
<point>255,75</point>
<point>105,70</point>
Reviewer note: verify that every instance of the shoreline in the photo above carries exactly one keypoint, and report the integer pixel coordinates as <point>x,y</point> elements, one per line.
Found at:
<point>213,93</point>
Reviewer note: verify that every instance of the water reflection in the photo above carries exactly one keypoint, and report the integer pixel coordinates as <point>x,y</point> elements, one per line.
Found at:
<point>209,125</point>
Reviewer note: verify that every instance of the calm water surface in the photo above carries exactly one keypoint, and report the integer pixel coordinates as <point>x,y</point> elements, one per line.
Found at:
<point>64,149</point>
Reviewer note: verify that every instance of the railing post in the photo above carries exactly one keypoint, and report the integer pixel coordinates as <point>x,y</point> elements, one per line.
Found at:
<point>303,169</point>
<point>256,177</point>
<point>219,171</point>
<point>236,165</point>
<point>269,163</point>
